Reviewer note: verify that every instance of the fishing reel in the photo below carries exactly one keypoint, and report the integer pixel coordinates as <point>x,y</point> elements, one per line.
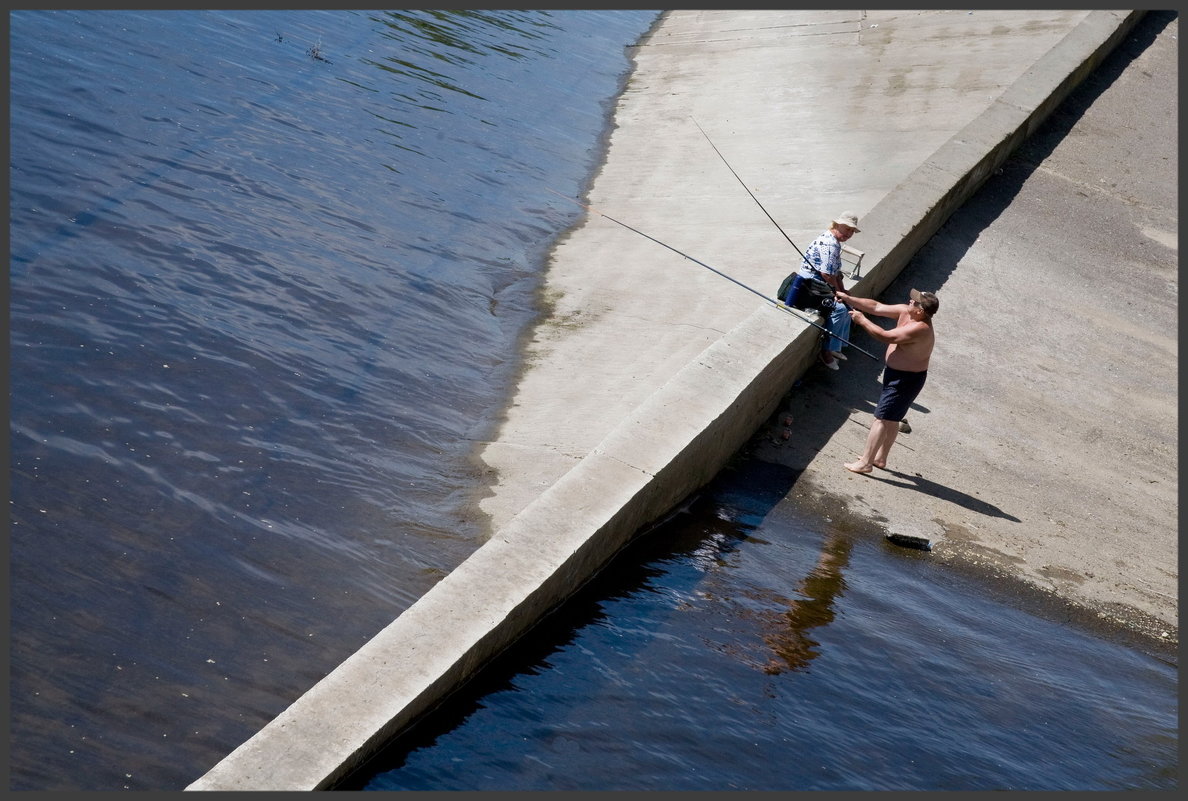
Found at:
<point>816,296</point>
<point>826,305</point>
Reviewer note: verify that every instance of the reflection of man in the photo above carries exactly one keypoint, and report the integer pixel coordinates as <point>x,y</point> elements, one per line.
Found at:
<point>791,644</point>
<point>909,347</point>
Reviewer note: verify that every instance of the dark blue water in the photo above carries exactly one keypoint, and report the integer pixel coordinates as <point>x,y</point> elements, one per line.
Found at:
<point>750,644</point>
<point>268,274</point>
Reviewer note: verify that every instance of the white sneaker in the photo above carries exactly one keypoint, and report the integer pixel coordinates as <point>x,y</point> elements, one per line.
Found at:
<point>832,365</point>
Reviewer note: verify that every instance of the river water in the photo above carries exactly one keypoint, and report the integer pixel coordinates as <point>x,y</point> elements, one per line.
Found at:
<point>269,272</point>
<point>755,643</point>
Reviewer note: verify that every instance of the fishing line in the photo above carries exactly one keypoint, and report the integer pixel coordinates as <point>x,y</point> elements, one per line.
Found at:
<point>778,303</point>
<point>744,186</point>
<point>752,194</point>
<point>760,205</point>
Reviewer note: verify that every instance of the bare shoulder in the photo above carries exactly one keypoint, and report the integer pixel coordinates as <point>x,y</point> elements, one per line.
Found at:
<point>914,330</point>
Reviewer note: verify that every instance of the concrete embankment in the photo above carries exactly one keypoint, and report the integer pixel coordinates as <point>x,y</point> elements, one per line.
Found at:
<point>1042,453</point>
<point>567,504</point>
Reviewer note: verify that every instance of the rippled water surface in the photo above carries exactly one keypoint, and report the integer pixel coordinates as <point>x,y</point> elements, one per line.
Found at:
<point>750,644</point>
<point>268,276</point>
<point>268,272</point>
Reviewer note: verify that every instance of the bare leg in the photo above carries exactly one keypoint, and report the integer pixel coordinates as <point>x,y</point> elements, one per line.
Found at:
<point>874,452</point>
<point>883,447</point>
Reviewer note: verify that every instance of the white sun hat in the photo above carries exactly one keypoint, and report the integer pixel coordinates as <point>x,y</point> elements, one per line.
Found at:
<point>848,219</point>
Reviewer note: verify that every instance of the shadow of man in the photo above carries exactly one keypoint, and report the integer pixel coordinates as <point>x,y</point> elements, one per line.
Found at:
<point>940,491</point>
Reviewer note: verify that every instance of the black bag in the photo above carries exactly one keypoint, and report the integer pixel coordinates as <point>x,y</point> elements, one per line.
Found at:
<point>815,294</point>
<point>785,286</point>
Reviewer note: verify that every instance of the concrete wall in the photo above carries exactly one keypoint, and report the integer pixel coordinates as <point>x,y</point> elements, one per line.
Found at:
<point>916,209</point>
<point>669,446</point>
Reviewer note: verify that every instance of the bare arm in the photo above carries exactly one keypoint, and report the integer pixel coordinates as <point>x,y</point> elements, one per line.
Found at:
<point>871,306</point>
<point>900,335</point>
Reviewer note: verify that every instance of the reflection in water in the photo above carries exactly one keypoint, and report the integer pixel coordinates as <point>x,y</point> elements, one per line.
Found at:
<point>455,38</point>
<point>685,666</point>
<point>785,622</point>
<point>789,640</point>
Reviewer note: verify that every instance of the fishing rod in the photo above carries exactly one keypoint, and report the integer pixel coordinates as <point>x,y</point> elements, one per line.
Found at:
<point>744,186</point>
<point>778,303</point>
<point>752,194</point>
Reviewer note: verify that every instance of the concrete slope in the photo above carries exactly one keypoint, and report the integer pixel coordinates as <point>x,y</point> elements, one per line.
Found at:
<point>1043,449</point>
<point>817,112</point>
<point>651,391</point>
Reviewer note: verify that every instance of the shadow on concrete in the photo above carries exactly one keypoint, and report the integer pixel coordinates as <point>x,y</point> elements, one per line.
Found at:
<point>820,404</point>
<point>956,497</point>
<point>823,401</point>
<point>1040,144</point>
<point>934,263</point>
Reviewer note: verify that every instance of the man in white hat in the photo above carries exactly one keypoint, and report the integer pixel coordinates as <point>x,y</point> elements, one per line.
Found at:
<point>822,262</point>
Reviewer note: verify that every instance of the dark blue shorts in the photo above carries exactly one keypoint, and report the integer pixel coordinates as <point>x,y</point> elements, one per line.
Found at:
<point>900,388</point>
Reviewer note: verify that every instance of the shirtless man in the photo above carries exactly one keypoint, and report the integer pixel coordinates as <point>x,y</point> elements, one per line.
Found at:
<point>909,346</point>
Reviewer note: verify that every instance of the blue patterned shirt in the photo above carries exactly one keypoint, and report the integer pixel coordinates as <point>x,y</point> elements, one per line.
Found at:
<point>823,254</point>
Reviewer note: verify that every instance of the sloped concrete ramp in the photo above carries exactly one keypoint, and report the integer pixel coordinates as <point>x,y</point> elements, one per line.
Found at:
<point>667,392</point>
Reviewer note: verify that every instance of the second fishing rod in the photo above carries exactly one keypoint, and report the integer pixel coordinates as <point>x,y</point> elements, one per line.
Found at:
<point>776,301</point>
<point>773,222</point>
<point>752,194</point>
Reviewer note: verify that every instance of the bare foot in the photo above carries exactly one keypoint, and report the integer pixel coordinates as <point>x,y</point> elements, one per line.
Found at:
<point>857,467</point>
<point>880,465</point>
